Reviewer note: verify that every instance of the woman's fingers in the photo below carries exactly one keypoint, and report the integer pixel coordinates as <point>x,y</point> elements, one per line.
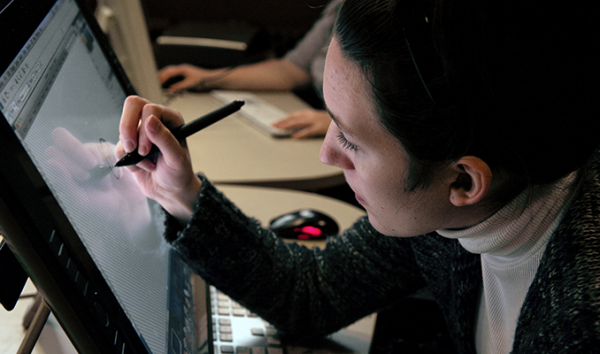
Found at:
<point>132,128</point>
<point>130,121</point>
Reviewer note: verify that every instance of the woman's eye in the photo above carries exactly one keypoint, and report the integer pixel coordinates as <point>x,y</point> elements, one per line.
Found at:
<point>345,143</point>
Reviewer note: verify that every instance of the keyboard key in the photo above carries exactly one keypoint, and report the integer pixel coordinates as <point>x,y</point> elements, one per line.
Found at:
<point>257,332</point>
<point>225,329</point>
<point>243,350</point>
<point>274,351</point>
<point>273,341</point>
<point>224,312</point>
<point>227,349</point>
<point>226,337</point>
<point>239,312</point>
<point>258,350</point>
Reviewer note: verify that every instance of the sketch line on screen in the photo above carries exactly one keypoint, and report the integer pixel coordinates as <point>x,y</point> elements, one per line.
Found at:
<point>106,167</point>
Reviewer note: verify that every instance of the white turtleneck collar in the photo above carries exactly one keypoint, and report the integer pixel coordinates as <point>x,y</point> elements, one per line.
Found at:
<point>514,230</point>
<point>511,243</point>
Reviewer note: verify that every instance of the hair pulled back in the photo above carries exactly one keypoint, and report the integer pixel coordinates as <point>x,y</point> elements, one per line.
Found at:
<point>516,82</point>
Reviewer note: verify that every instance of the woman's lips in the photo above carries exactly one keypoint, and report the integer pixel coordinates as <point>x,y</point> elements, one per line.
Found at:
<point>359,199</point>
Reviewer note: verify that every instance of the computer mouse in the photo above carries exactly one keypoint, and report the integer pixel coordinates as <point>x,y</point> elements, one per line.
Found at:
<point>172,80</point>
<point>304,224</point>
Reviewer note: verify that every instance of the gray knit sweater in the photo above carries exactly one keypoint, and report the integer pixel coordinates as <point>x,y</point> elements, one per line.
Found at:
<point>363,271</point>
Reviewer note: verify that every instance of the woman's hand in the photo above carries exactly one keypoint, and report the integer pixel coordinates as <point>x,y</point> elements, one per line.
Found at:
<point>170,179</point>
<point>307,123</point>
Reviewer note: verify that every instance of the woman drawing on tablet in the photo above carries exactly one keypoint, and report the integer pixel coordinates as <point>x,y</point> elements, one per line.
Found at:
<point>465,130</point>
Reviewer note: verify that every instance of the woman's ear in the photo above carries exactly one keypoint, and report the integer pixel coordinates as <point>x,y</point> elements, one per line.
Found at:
<point>472,183</point>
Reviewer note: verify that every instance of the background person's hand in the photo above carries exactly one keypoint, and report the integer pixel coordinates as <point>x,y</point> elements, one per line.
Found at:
<point>307,123</point>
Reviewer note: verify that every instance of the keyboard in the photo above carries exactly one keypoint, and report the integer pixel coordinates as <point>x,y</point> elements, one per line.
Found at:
<point>236,330</point>
<point>258,112</point>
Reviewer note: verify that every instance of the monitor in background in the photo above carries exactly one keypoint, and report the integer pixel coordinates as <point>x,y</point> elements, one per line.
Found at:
<point>81,229</point>
<point>125,25</point>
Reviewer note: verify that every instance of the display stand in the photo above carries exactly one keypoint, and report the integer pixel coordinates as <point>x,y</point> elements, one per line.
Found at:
<point>13,279</point>
<point>34,321</point>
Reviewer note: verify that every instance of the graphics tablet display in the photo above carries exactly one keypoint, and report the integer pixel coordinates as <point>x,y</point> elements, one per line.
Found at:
<point>88,238</point>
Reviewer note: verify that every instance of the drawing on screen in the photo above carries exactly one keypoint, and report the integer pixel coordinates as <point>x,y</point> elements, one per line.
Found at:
<point>108,160</point>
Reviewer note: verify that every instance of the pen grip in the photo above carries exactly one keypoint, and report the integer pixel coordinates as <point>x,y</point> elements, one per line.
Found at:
<point>183,132</point>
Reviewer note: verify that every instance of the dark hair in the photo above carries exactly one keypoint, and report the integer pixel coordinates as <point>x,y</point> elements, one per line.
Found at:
<point>516,84</point>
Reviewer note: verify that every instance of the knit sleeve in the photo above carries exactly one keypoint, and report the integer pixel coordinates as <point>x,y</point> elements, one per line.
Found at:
<point>293,287</point>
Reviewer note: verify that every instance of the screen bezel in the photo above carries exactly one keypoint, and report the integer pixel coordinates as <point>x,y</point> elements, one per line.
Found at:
<point>36,228</point>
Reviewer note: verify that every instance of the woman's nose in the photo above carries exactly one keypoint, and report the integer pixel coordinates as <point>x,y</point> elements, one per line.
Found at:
<point>332,153</point>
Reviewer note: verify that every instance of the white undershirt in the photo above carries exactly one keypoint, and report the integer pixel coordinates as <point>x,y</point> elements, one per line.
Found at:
<point>511,243</point>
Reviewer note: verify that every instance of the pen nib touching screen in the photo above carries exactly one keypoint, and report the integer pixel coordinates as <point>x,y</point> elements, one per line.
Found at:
<point>184,131</point>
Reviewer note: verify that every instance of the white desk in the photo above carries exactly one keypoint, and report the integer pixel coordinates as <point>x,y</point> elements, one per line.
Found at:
<point>233,151</point>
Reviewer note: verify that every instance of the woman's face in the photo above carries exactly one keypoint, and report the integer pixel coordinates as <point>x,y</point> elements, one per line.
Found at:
<point>374,162</point>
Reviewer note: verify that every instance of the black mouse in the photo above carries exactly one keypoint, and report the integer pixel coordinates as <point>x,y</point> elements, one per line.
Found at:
<point>305,224</point>
<point>172,80</point>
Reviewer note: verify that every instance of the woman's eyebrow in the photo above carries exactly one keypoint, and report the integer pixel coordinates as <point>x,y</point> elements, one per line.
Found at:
<point>335,120</point>
<point>344,130</point>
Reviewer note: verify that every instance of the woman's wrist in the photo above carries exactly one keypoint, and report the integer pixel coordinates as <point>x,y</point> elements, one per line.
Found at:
<point>181,206</point>
<point>214,80</point>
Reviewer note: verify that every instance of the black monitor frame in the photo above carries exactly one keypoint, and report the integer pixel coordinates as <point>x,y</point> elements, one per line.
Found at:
<point>36,228</point>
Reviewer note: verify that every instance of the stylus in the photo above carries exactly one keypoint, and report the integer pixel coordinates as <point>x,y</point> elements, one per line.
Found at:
<point>184,131</point>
